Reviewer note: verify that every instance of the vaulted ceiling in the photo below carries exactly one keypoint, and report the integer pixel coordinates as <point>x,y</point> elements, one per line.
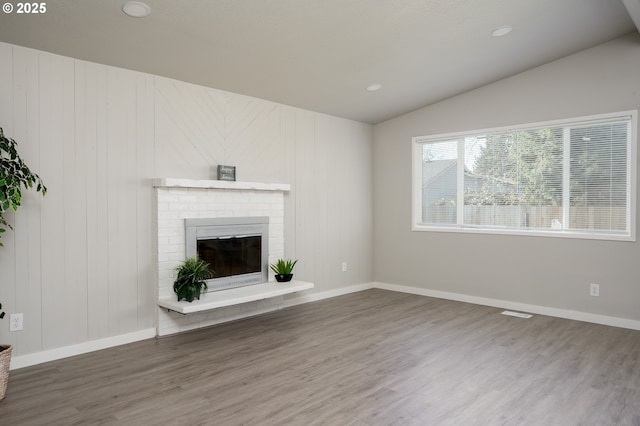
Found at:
<point>322,54</point>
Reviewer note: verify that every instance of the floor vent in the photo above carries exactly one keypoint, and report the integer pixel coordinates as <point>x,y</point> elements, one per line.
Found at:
<point>516,314</point>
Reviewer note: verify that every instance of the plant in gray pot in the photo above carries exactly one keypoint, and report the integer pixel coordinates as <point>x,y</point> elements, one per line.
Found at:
<point>283,269</point>
<point>14,175</point>
<point>190,279</point>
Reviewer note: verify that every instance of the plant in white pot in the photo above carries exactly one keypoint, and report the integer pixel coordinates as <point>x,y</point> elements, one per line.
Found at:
<point>14,175</point>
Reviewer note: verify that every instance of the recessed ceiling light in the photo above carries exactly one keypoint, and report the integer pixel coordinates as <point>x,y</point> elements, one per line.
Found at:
<point>502,31</point>
<point>136,9</point>
<point>374,87</point>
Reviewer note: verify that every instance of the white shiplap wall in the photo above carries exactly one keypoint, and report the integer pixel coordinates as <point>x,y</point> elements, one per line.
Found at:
<point>80,264</point>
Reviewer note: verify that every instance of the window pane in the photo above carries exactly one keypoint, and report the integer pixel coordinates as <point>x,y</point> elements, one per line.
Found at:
<point>514,179</point>
<point>599,177</point>
<point>439,182</point>
<point>569,177</point>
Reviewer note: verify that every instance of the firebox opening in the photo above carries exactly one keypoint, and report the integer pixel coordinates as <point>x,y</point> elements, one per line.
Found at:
<point>231,256</point>
<point>236,249</point>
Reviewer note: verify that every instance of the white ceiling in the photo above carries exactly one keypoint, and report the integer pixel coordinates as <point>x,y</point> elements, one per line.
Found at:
<point>321,54</point>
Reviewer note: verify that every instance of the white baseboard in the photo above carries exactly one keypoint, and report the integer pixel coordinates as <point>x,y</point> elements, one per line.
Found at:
<point>94,345</point>
<point>516,306</point>
<point>81,348</point>
<point>327,294</point>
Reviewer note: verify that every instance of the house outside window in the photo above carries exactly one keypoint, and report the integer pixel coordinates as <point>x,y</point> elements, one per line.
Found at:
<point>571,178</point>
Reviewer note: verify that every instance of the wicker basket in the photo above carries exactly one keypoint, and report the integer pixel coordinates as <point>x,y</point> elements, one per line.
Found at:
<point>5,362</point>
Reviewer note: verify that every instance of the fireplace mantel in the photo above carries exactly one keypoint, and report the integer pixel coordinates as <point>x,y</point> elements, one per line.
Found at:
<point>220,184</point>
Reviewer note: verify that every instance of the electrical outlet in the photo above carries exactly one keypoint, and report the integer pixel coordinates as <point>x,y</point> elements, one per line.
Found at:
<point>594,290</point>
<point>344,266</point>
<point>15,322</point>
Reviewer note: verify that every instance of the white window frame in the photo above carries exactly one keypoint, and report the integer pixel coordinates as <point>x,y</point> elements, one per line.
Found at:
<point>417,159</point>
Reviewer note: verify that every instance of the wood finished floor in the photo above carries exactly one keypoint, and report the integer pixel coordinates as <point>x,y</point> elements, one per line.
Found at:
<point>368,358</point>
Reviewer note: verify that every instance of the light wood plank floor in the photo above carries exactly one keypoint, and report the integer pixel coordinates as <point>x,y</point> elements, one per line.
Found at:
<point>369,358</point>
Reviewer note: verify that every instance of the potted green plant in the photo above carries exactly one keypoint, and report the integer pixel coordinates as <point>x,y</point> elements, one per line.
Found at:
<point>190,279</point>
<point>5,363</point>
<point>283,269</point>
<point>14,174</point>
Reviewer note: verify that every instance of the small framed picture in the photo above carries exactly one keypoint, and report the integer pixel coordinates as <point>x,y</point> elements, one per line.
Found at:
<point>226,172</point>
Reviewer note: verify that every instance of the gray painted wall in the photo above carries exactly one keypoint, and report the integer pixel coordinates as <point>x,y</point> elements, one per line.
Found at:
<point>551,272</point>
<point>80,264</point>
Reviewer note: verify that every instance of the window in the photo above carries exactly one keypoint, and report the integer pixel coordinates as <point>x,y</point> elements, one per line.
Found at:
<point>572,178</point>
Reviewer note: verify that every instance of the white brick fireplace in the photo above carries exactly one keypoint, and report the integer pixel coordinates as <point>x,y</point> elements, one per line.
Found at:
<point>180,199</point>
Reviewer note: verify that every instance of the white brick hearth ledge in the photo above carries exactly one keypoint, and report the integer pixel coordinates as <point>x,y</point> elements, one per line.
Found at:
<point>234,296</point>
<point>219,184</point>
